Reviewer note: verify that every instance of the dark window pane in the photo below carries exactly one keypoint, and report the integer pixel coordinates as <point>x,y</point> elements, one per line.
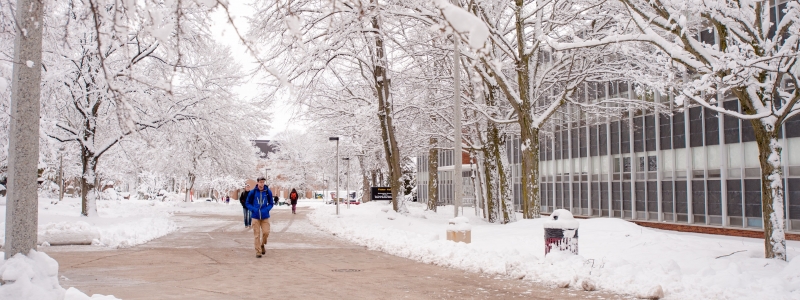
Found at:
<point>641,167</point>
<point>735,198</point>
<point>640,194</point>
<point>564,144</point>
<point>624,137</point>
<point>576,194</point>
<point>698,197</point>
<point>638,134</point>
<point>584,195</point>
<point>626,164</point>
<point>616,195</point>
<point>792,127</point>
<point>595,195</point>
<point>593,151</point>
<point>707,37</point>
<point>666,134</point>
<point>794,198</point>
<point>678,131</point>
<point>681,197</point>
<point>557,144</point>
<point>626,195</point>
<point>752,198</point>
<point>559,200</point>
<point>582,141</point>
<point>604,195</point>
<point>696,126</point>
<point>714,197</point>
<point>575,142</point>
<point>650,132</point>
<point>748,135</point>
<point>602,136</point>
<point>615,137</point>
<point>652,163</point>
<point>652,196</point>
<point>712,127</point>
<point>666,196</point>
<point>731,122</point>
<point>543,194</point>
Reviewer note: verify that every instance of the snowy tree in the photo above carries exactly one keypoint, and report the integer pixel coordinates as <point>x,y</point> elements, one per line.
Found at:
<point>745,49</point>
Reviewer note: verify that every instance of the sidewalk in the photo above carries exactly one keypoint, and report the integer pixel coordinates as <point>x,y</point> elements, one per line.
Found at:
<point>211,257</point>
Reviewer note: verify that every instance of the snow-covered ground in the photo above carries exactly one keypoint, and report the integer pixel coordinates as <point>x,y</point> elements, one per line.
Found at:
<point>120,224</point>
<point>615,255</point>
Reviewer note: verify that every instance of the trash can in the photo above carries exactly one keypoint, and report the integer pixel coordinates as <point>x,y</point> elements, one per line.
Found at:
<point>561,232</point>
<point>458,230</point>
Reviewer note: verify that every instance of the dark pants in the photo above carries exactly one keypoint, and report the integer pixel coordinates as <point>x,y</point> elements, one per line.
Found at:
<point>247,217</point>
<point>294,205</point>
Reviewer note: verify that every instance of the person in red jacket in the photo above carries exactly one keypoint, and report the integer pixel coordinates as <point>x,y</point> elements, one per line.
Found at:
<point>293,197</point>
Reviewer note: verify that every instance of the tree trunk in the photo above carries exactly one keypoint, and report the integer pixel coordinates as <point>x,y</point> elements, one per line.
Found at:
<point>529,144</point>
<point>769,155</point>
<point>364,181</point>
<point>88,183</point>
<point>433,174</point>
<point>391,150</point>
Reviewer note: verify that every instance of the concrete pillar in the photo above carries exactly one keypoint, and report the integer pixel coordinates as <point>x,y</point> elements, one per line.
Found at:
<point>22,214</point>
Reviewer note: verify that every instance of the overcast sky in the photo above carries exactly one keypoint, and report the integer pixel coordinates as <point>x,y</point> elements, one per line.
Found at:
<point>225,34</point>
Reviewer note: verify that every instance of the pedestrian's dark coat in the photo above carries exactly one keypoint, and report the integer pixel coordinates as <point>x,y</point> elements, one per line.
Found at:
<point>243,198</point>
<point>293,196</point>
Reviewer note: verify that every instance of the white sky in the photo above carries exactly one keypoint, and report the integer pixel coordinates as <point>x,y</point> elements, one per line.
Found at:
<point>224,33</point>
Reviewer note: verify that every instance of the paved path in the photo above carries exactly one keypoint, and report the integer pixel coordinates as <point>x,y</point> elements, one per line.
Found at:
<point>211,257</point>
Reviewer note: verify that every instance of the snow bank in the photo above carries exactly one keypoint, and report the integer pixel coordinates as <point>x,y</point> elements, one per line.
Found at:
<point>35,277</point>
<point>615,255</point>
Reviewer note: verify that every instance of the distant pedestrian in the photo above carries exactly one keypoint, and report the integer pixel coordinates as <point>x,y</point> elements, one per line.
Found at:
<point>243,200</point>
<point>293,198</point>
<point>260,202</point>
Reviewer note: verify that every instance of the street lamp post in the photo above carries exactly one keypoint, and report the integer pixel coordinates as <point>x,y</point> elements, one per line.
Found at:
<point>347,182</point>
<point>457,180</point>
<point>336,138</point>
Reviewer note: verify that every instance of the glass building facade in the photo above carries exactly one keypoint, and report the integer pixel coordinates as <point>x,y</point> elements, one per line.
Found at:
<point>445,175</point>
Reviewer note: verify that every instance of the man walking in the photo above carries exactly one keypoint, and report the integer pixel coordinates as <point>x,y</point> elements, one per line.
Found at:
<point>243,200</point>
<point>293,198</point>
<point>259,202</point>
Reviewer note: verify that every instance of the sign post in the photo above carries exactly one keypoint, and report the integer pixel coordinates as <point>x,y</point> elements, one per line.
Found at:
<point>380,193</point>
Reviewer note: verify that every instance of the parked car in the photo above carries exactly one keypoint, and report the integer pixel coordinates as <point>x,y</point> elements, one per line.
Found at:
<point>355,201</point>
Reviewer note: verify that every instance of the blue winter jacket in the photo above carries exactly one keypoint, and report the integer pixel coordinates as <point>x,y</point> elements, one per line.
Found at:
<point>259,203</point>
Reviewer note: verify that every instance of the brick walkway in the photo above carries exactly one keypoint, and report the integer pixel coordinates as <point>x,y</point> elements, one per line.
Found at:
<point>210,257</point>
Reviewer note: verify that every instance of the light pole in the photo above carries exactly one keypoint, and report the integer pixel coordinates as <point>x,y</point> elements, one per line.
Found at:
<point>347,182</point>
<point>336,138</point>
<point>457,180</point>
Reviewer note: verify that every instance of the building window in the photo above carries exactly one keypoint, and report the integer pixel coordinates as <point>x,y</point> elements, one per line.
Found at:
<point>576,141</point>
<point>793,196</point>
<point>640,196</point>
<point>615,137</point>
<point>665,132</point>
<point>565,144</point>
<point>593,151</point>
<point>559,201</point>
<point>626,195</point>
<point>626,164</point>
<point>734,198</point>
<point>582,141</point>
<point>792,127</point>
<point>731,122</point>
<point>652,163</point>
<point>557,145</point>
<point>752,198</point>
<point>650,132</point>
<point>714,197</point>
<point>666,196</point>
<point>696,126</point>
<point>604,196</point>
<point>698,199</point>
<point>748,134</point>
<point>712,127</point>
<point>652,196</point>
<point>602,139</point>
<point>584,195</point>
<point>638,134</point>
<point>624,136</point>
<point>616,196</point>
<point>595,197</point>
<point>681,197</point>
<point>678,131</point>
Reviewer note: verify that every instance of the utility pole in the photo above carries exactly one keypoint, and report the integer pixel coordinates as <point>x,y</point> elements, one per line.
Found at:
<point>457,182</point>
<point>22,209</point>
<point>347,182</point>
<point>336,138</point>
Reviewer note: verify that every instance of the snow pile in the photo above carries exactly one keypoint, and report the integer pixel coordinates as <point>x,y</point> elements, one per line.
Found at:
<point>120,224</point>
<point>35,277</point>
<point>615,255</point>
